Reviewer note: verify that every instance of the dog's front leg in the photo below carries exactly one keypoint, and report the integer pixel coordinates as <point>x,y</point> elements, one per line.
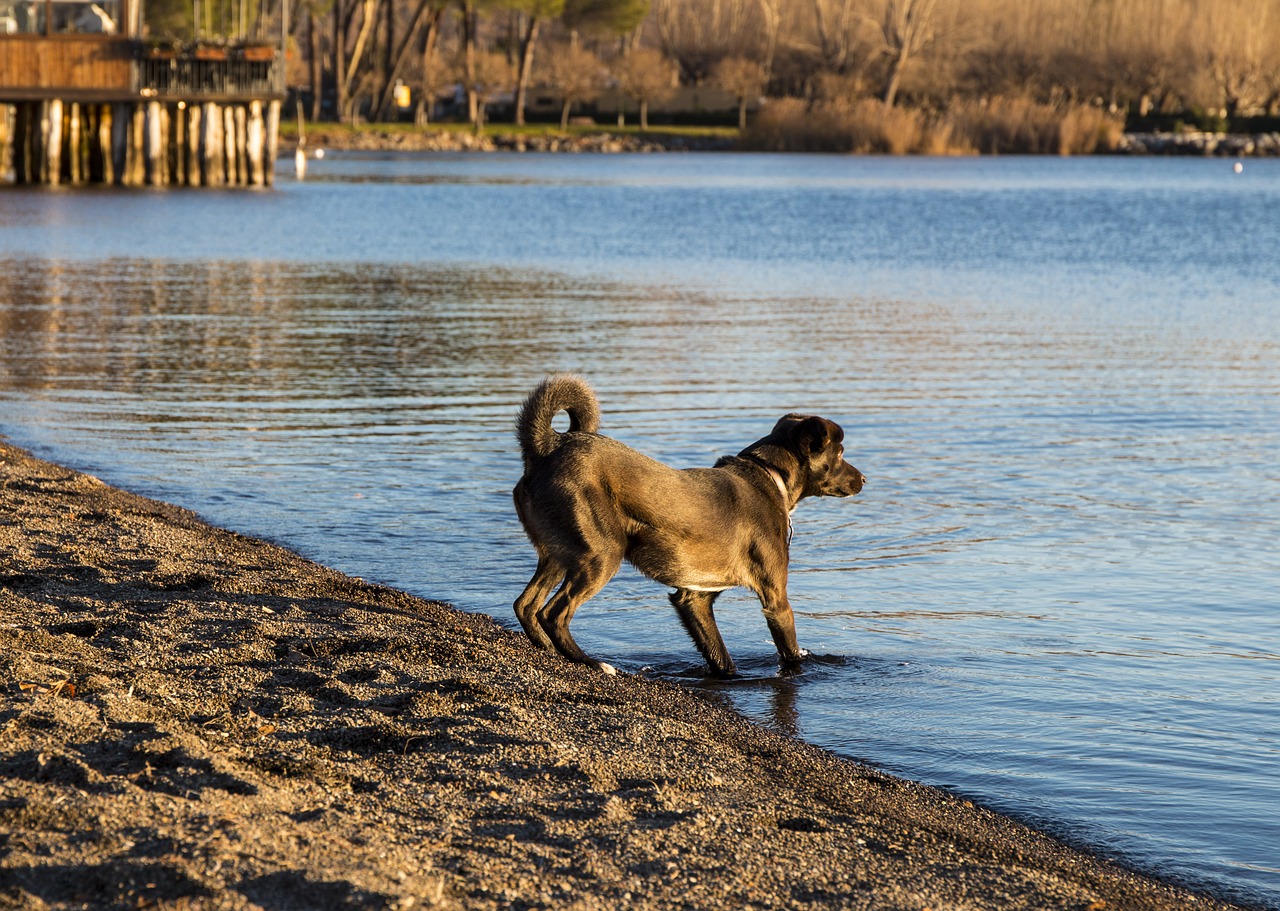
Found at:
<point>782,623</point>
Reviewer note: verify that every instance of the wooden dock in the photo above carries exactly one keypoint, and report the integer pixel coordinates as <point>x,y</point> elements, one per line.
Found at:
<point>110,109</point>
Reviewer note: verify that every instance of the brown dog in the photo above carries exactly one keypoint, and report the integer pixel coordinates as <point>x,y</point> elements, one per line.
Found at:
<point>588,502</point>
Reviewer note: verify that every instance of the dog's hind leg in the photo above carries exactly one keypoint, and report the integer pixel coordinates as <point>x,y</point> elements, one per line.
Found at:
<point>580,585</point>
<point>695,611</point>
<point>545,578</point>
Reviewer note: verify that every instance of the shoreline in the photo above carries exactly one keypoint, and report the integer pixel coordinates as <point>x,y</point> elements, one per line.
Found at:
<point>376,138</point>
<point>195,718</point>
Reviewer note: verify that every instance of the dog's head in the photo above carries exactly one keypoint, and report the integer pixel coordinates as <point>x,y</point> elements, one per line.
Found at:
<point>818,445</point>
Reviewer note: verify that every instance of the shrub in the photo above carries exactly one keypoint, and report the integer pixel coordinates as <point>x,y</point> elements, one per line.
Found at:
<point>865,126</point>
<point>1021,125</point>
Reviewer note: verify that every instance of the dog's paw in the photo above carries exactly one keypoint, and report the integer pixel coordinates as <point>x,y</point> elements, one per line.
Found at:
<point>608,670</point>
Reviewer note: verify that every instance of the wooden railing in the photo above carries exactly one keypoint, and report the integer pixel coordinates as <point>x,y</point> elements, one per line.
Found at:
<point>93,66</point>
<point>194,79</point>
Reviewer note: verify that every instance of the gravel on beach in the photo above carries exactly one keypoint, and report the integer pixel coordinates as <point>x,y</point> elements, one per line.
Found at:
<point>193,719</point>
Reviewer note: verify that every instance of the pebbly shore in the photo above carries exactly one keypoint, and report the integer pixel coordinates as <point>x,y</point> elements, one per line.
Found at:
<point>399,140</point>
<point>192,718</point>
<point>1224,145</point>
<point>1189,143</point>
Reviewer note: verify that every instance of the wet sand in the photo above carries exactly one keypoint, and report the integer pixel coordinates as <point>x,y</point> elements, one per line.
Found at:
<point>197,719</point>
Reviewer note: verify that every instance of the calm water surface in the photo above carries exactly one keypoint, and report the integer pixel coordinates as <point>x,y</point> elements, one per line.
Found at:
<point>1057,593</point>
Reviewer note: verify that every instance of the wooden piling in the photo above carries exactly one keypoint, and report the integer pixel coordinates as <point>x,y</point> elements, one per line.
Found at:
<point>51,141</point>
<point>157,143</point>
<point>231,145</point>
<point>119,141</point>
<point>236,163</point>
<point>106,129</point>
<point>211,146</point>
<point>8,114</point>
<point>273,140</point>
<point>193,145</point>
<point>73,143</point>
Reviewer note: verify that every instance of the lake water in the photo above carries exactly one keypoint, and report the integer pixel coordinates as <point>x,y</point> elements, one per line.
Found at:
<point>1057,593</point>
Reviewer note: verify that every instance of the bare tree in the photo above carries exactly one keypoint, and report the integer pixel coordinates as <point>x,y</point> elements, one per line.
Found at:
<point>1231,44</point>
<point>434,73</point>
<point>908,27</point>
<point>350,16</point>
<point>835,24</point>
<point>645,75</point>
<point>573,73</point>
<point>699,34</point>
<point>742,78</point>
<point>483,74</point>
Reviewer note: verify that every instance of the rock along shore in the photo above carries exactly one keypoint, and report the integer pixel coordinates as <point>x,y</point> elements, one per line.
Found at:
<point>1235,145</point>
<point>193,719</point>
<point>319,137</point>
<point>1226,145</point>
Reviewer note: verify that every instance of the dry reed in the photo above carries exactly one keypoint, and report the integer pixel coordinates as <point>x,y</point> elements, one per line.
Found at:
<point>1000,126</point>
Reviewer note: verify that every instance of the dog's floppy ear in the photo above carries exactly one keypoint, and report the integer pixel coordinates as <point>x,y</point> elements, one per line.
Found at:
<point>814,434</point>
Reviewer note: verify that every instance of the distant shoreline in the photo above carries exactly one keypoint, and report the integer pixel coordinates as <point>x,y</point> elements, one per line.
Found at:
<point>397,138</point>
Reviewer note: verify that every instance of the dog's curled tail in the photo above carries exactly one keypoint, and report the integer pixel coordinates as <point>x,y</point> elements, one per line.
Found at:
<point>557,393</point>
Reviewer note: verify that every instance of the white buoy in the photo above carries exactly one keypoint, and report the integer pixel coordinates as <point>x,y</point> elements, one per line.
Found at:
<point>319,153</point>
<point>1238,167</point>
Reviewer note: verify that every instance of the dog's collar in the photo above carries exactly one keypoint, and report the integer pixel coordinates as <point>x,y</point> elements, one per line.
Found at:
<point>782,488</point>
<point>775,475</point>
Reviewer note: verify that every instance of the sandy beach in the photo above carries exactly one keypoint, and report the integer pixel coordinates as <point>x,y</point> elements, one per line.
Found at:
<point>197,719</point>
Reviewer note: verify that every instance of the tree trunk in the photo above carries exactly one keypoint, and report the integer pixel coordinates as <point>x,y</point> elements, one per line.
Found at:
<point>339,61</point>
<point>742,112</point>
<point>369,16</point>
<point>564,114</point>
<point>387,64</point>
<point>421,17</point>
<point>896,66</point>
<point>427,96</point>
<point>527,43</point>
<point>644,114</point>
<point>317,67</point>
<point>469,59</point>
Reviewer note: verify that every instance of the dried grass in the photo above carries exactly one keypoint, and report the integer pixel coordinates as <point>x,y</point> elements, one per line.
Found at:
<point>999,126</point>
<point>866,126</point>
<point>1015,125</point>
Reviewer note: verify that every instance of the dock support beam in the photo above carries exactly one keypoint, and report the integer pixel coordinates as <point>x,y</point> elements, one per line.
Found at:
<point>160,143</point>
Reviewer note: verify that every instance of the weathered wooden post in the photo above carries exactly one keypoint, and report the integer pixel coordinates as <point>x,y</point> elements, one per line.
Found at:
<point>254,140</point>
<point>193,144</point>
<point>273,140</point>
<point>106,130</point>
<point>119,142</point>
<point>241,131</point>
<point>211,144</point>
<point>73,142</point>
<point>231,145</point>
<point>8,114</point>
<point>51,138</point>
<point>137,147</point>
<point>152,147</point>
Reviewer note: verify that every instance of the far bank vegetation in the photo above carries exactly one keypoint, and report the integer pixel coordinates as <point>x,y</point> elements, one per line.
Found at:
<point>894,76</point>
